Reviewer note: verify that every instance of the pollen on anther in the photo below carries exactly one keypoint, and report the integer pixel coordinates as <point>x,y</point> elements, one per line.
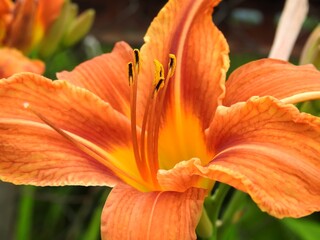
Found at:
<point>130,73</point>
<point>172,64</point>
<point>159,72</point>
<point>160,84</point>
<point>137,60</point>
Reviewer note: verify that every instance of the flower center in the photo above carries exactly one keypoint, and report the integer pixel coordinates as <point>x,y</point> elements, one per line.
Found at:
<point>145,148</point>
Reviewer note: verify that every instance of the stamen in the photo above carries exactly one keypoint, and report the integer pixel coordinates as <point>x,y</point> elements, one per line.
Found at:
<point>159,72</point>
<point>159,85</point>
<point>137,60</point>
<point>171,69</point>
<point>93,151</point>
<point>133,82</point>
<point>146,131</point>
<point>152,160</point>
<point>130,73</point>
<point>143,129</point>
<point>151,141</point>
<point>171,65</point>
<point>147,153</point>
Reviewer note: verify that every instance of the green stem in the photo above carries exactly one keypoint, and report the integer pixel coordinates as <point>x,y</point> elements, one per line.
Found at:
<point>93,228</point>
<point>237,198</point>
<point>213,205</point>
<point>204,228</point>
<point>25,212</point>
<point>236,203</point>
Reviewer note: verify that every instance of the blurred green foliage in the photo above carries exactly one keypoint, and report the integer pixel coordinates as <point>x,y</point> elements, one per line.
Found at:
<point>51,213</point>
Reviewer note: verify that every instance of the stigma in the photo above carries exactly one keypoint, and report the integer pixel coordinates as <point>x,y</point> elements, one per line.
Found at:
<point>145,147</point>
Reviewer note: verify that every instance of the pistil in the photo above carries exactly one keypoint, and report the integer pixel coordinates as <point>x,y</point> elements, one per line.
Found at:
<point>302,97</point>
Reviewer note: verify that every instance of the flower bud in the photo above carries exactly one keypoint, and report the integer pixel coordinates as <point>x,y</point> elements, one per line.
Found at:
<point>311,50</point>
<point>78,28</point>
<point>51,41</point>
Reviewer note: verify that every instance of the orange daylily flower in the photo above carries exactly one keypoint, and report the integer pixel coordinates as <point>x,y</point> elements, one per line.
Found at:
<point>24,23</point>
<point>163,140</point>
<point>12,61</point>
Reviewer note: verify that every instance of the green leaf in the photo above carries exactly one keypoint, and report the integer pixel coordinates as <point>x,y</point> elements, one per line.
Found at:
<point>304,228</point>
<point>254,224</point>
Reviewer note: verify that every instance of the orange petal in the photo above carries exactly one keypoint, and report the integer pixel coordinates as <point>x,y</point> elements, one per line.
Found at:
<point>20,30</point>
<point>130,214</point>
<point>270,150</point>
<point>106,76</point>
<point>185,28</point>
<point>95,127</point>
<point>48,11</point>
<point>184,175</point>
<point>73,109</point>
<point>32,153</point>
<point>272,77</point>
<point>12,61</point>
<point>5,6</point>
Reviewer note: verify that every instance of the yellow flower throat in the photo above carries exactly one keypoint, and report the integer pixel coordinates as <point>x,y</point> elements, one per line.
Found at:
<point>138,164</point>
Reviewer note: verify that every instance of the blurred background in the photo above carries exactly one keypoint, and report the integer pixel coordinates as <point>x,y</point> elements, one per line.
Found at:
<point>248,25</point>
<point>73,213</point>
